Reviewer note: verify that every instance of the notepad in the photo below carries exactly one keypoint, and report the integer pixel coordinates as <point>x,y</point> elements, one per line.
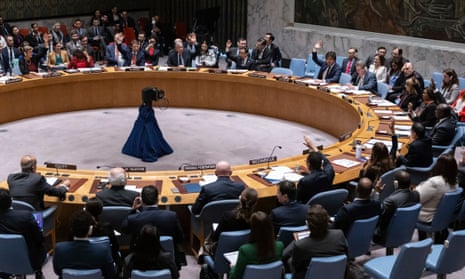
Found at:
<point>346,163</point>
<point>231,257</point>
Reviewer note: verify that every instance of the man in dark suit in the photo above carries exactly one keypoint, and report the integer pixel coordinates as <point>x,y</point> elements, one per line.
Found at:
<point>137,54</point>
<point>96,33</point>
<point>29,186</point>
<point>321,174</point>
<point>127,21</point>
<point>9,52</point>
<point>330,71</point>
<point>361,207</point>
<point>35,37</point>
<point>22,222</point>
<point>420,151</point>
<point>179,57</point>
<point>275,52</point>
<point>444,130</point>
<point>118,53</point>
<point>222,189</point>
<point>243,61</point>
<point>261,56</point>
<point>5,28</point>
<point>117,195</point>
<point>81,253</point>
<point>401,197</point>
<point>145,211</point>
<point>232,53</point>
<point>364,80</point>
<point>322,242</point>
<point>348,64</point>
<point>290,213</point>
<point>408,71</point>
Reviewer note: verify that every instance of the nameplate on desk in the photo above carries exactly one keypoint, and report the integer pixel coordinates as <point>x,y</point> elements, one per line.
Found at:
<point>61,166</point>
<point>217,71</point>
<point>283,78</point>
<point>263,160</point>
<point>49,75</point>
<point>134,169</point>
<point>7,80</point>
<point>91,70</point>
<point>257,75</point>
<point>199,167</point>
<point>177,69</point>
<point>135,69</point>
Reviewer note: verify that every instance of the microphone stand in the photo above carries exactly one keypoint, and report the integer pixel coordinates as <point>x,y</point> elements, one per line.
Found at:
<point>271,155</point>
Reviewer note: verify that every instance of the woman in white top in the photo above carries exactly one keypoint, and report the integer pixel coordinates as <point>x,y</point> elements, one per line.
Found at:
<point>450,86</point>
<point>444,179</point>
<point>378,68</point>
<point>207,56</point>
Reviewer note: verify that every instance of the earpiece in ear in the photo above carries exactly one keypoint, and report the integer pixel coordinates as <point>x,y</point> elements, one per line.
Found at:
<point>396,184</point>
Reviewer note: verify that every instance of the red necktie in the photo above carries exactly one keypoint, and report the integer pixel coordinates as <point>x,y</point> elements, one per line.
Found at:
<point>349,65</point>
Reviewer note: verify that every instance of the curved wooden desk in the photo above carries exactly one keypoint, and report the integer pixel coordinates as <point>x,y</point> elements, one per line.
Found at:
<point>232,92</point>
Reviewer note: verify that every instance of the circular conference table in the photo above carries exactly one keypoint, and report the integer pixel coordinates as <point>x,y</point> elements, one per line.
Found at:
<point>344,117</point>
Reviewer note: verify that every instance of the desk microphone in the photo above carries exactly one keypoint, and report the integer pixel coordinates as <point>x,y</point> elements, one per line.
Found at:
<point>181,167</point>
<point>46,163</point>
<point>271,154</point>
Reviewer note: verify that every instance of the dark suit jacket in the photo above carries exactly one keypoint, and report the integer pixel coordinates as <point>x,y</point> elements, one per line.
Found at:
<point>228,223</point>
<point>399,198</point>
<point>399,85</point>
<point>443,131</point>
<point>291,214</point>
<point>262,63</point>
<point>166,222</point>
<point>173,58</point>
<point>420,153</point>
<point>222,189</point>
<point>152,56</point>
<point>22,222</point>
<point>369,82</point>
<point>163,261</point>
<point>5,30</point>
<point>6,58</point>
<point>140,58</point>
<point>316,182</point>
<point>117,196</point>
<point>82,254</point>
<point>231,55</point>
<point>333,74</point>
<point>31,187</point>
<point>427,117</point>
<point>275,54</point>
<point>358,209</point>
<point>352,66</point>
<point>110,54</point>
<point>241,64</point>
<point>303,250</point>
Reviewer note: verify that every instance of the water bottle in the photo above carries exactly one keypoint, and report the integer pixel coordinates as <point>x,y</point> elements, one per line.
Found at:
<point>358,151</point>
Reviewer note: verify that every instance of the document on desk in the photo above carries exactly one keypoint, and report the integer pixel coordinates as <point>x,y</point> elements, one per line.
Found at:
<point>369,144</point>
<point>231,257</point>
<point>292,176</point>
<point>383,111</point>
<point>401,118</point>
<point>346,163</point>
<point>403,127</point>
<point>359,92</point>
<point>402,133</point>
<point>51,180</point>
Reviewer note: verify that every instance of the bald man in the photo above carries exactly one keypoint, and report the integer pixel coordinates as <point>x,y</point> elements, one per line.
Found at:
<point>444,130</point>
<point>222,189</point>
<point>116,195</point>
<point>361,207</point>
<point>30,187</point>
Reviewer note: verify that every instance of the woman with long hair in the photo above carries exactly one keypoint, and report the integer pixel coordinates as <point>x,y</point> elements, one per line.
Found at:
<point>410,95</point>
<point>425,112</point>
<point>378,68</point>
<point>148,254</point>
<point>450,86</point>
<point>262,247</point>
<point>235,220</point>
<point>443,179</point>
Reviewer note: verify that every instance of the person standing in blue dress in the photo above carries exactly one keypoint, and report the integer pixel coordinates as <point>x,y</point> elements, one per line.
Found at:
<point>146,139</point>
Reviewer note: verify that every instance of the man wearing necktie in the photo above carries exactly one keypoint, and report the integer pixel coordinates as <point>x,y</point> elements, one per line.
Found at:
<point>179,57</point>
<point>364,80</point>
<point>5,28</point>
<point>330,71</point>
<point>348,64</point>
<point>9,53</point>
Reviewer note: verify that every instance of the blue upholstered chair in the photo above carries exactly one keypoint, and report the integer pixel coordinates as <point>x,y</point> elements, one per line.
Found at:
<point>167,244</point>
<point>151,274</point>
<point>359,236</point>
<point>449,257</point>
<point>401,227</point>
<point>387,179</point>
<point>272,270</point>
<point>212,212</point>
<point>14,256</point>
<point>115,215</point>
<point>48,217</point>
<point>420,174</point>
<point>69,273</point>
<point>297,66</point>
<point>286,234</point>
<point>345,78</point>
<point>282,71</point>
<point>327,267</point>
<point>312,68</point>
<point>437,77</point>
<point>382,89</point>
<point>408,264</point>
<point>228,242</point>
<point>444,213</point>
<point>438,150</point>
<point>331,200</point>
